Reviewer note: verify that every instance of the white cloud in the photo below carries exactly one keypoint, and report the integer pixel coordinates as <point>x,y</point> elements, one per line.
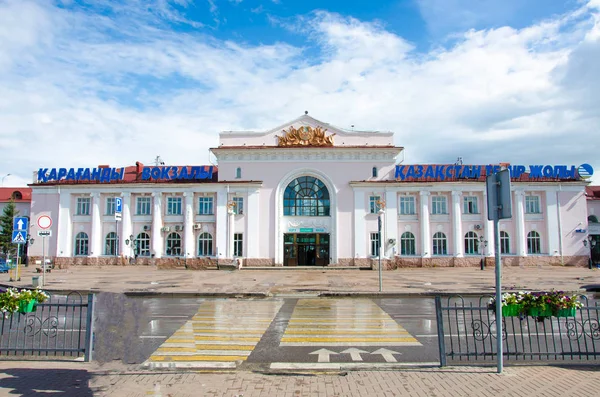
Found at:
<point>83,89</point>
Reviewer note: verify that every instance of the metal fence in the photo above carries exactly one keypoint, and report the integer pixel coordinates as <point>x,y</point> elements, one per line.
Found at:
<point>467,332</point>
<point>62,326</point>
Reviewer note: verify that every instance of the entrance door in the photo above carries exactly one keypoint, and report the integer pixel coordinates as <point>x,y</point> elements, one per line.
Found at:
<point>300,249</point>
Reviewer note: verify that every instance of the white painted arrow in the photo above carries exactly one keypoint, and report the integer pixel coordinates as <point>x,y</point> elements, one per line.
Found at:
<point>355,353</point>
<point>20,224</point>
<point>323,355</point>
<point>388,355</point>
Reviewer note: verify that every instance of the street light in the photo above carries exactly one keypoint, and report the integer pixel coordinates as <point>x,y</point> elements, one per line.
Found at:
<point>3,179</point>
<point>482,244</point>
<point>592,244</point>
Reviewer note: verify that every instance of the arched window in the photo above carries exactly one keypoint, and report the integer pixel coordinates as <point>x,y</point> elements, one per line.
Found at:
<point>407,244</point>
<point>534,242</point>
<point>504,242</point>
<point>238,172</point>
<point>205,243</point>
<point>173,244</point>
<point>110,244</point>
<point>440,244</point>
<point>142,244</point>
<point>81,244</point>
<point>306,196</point>
<point>374,172</point>
<point>471,243</point>
<point>17,195</point>
<point>593,219</point>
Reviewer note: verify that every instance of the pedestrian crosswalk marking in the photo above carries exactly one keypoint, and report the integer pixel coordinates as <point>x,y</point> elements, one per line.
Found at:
<point>343,322</point>
<point>221,334</point>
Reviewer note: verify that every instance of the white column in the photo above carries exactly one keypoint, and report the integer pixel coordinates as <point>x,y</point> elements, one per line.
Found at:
<point>552,223</point>
<point>426,236</point>
<point>221,224</point>
<point>520,223</point>
<point>189,245</point>
<point>64,235</point>
<point>96,237</point>
<point>391,223</point>
<point>489,228</point>
<point>157,224</point>
<point>127,227</point>
<point>252,215</point>
<point>360,232</point>
<point>457,224</point>
<point>230,229</point>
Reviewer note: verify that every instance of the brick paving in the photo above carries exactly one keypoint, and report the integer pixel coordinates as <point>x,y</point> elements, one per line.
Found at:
<point>150,280</point>
<point>44,378</point>
<point>543,381</point>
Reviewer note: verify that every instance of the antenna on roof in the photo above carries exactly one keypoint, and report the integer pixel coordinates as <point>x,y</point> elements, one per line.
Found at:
<point>158,161</point>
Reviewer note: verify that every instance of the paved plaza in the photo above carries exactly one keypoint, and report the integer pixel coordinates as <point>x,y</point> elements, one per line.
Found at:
<point>75,378</point>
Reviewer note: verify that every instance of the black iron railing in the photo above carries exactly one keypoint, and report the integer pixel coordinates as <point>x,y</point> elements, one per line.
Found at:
<point>467,332</point>
<point>62,326</point>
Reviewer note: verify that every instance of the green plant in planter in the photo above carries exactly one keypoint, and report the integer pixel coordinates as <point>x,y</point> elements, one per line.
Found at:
<point>9,302</point>
<point>23,301</point>
<point>36,294</point>
<point>537,304</point>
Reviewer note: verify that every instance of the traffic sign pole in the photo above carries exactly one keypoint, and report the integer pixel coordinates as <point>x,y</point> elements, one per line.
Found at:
<point>18,274</point>
<point>44,222</point>
<point>118,217</point>
<point>44,261</point>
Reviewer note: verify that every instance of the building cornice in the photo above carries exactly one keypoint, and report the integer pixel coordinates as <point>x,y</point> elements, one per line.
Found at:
<point>308,154</point>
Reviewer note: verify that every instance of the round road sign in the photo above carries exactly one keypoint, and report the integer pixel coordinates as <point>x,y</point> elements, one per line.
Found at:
<point>44,221</point>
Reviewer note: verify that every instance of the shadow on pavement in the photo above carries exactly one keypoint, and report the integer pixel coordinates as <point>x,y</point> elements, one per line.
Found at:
<point>45,382</point>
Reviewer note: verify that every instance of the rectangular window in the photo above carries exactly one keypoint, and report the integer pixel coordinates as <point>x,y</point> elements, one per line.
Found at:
<point>173,205</point>
<point>439,205</point>
<point>239,205</point>
<point>83,205</point>
<point>110,206</point>
<point>205,206</point>
<point>375,244</point>
<point>407,205</point>
<point>532,205</point>
<point>238,243</point>
<point>374,204</point>
<point>470,205</point>
<point>143,206</point>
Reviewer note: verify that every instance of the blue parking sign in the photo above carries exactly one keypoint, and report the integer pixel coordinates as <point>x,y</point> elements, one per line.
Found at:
<point>118,205</point>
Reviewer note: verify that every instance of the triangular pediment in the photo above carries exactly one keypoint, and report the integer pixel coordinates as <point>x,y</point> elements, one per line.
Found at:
<point>305,131</point>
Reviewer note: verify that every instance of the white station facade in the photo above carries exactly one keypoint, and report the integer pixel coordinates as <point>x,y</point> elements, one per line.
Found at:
<point>308,194</point>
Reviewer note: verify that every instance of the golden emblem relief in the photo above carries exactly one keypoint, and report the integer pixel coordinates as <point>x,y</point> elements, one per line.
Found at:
<point>305,136</point>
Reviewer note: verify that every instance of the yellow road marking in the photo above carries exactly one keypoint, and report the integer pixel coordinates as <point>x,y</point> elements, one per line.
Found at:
<point>225,347</point>
<point>343,332</point>
<point>342,339</point>
<point>197,358</point>
<point>226,338</point>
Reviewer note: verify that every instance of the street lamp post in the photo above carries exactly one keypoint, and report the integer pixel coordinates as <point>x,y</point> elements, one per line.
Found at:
<point>482,245</point>
<point>134,242</point>
<point>380,212</point>
<point>3,179</point>
<point>592,243</point>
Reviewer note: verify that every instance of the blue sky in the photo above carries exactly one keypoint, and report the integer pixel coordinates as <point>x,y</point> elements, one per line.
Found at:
<point>113,82</point>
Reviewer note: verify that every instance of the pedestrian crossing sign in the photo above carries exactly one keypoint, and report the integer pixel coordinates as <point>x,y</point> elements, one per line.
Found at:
<point>19,237</point>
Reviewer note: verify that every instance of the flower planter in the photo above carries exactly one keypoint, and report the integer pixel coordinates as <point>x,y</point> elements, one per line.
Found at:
<point>540,312</point>
<point>511,310</point>
<point>570,312</point>
<point>27,306</point>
